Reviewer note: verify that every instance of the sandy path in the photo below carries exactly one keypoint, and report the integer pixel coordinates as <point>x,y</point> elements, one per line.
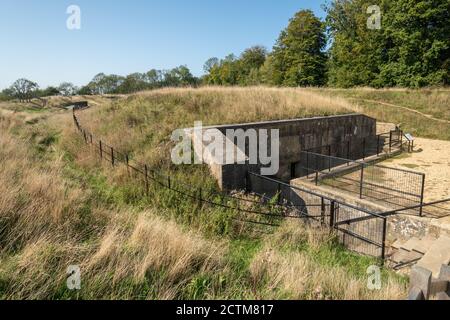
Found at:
<point>431,157</point>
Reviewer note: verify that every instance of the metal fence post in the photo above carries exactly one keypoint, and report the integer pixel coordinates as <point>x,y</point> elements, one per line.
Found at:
<point>383,241</point>
<point>101,149</point>
<point>390,141</point>
<point>146,179</point>
<point>127,160</point>
<point>361,181</point>
<point>401,139</point>
<point>317,178</point>
<point>332,212</point>
<point>378,145</point>
<point>421,195</point>
<point>364,148</point>
<point>322,210</point>
<point>112,156</point>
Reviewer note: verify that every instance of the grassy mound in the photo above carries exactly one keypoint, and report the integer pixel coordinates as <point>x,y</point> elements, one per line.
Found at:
<point>62,206</point>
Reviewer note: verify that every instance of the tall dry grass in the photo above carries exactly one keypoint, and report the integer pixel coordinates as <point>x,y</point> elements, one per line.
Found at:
<point>305,274</point>
<point>52,217</point>
<point>49,222</point>
<point>222,105</point>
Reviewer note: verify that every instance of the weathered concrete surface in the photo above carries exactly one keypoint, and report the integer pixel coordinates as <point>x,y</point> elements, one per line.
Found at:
<point>438,255</point>
<point>420,279</point>
<point>340,195</point>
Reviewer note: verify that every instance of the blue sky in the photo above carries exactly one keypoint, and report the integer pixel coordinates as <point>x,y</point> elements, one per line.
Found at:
<point>122,37</point>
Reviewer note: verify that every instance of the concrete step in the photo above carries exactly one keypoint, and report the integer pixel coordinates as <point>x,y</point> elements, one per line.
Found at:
<point>398,244</point>
<point>420,245</point>
<point>404,256</point>
<point>436,256</point>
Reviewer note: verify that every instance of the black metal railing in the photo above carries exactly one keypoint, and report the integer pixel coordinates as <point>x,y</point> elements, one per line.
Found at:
<point>356,148</point>
<point>358,229</point>
<point>396,187</point>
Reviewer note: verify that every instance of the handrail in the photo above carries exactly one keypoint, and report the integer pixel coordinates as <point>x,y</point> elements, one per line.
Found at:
<point>392,212</point>
<point>361,162</point>
<point>317,194</point>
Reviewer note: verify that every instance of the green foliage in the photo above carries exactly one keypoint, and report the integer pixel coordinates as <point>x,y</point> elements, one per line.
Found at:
<point>236,71</point>
<point>111,84</point>
<point>417,34</point>
<point>298,58</point>
<point>49,91</point>
<point>412,48</point>
<point>6,95</point>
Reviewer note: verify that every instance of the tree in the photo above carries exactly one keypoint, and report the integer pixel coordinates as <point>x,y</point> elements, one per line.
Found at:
<point>111,83</point>
<point>6,94</point>
<point>357,52</point>
<point>67,89</point>
<point>210,64</point>
<point>97,84</point>
<point>154,78</point>
<point>85,91</point>
<point>185,76</point>
<point>253,58</point>
<point>24,89</point>
<point>132,83</point>
<point>50,91</point>
<point>249,64</point>
<point>179,76</point>
<point>298,57</point>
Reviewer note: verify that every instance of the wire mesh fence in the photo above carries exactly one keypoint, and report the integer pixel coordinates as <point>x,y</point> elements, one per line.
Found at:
<point>357,229</point>
<point>394,187</point>
<point>355,148</point>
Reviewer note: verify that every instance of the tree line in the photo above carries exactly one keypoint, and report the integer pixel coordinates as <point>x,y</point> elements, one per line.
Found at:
<point>25,90</point>
<point>411,48</point>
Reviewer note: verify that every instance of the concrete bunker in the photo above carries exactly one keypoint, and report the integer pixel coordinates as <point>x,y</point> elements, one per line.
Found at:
<point>295,136</point>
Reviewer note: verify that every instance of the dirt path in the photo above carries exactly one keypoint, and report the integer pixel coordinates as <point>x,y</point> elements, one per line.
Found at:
<point>404,108</point>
